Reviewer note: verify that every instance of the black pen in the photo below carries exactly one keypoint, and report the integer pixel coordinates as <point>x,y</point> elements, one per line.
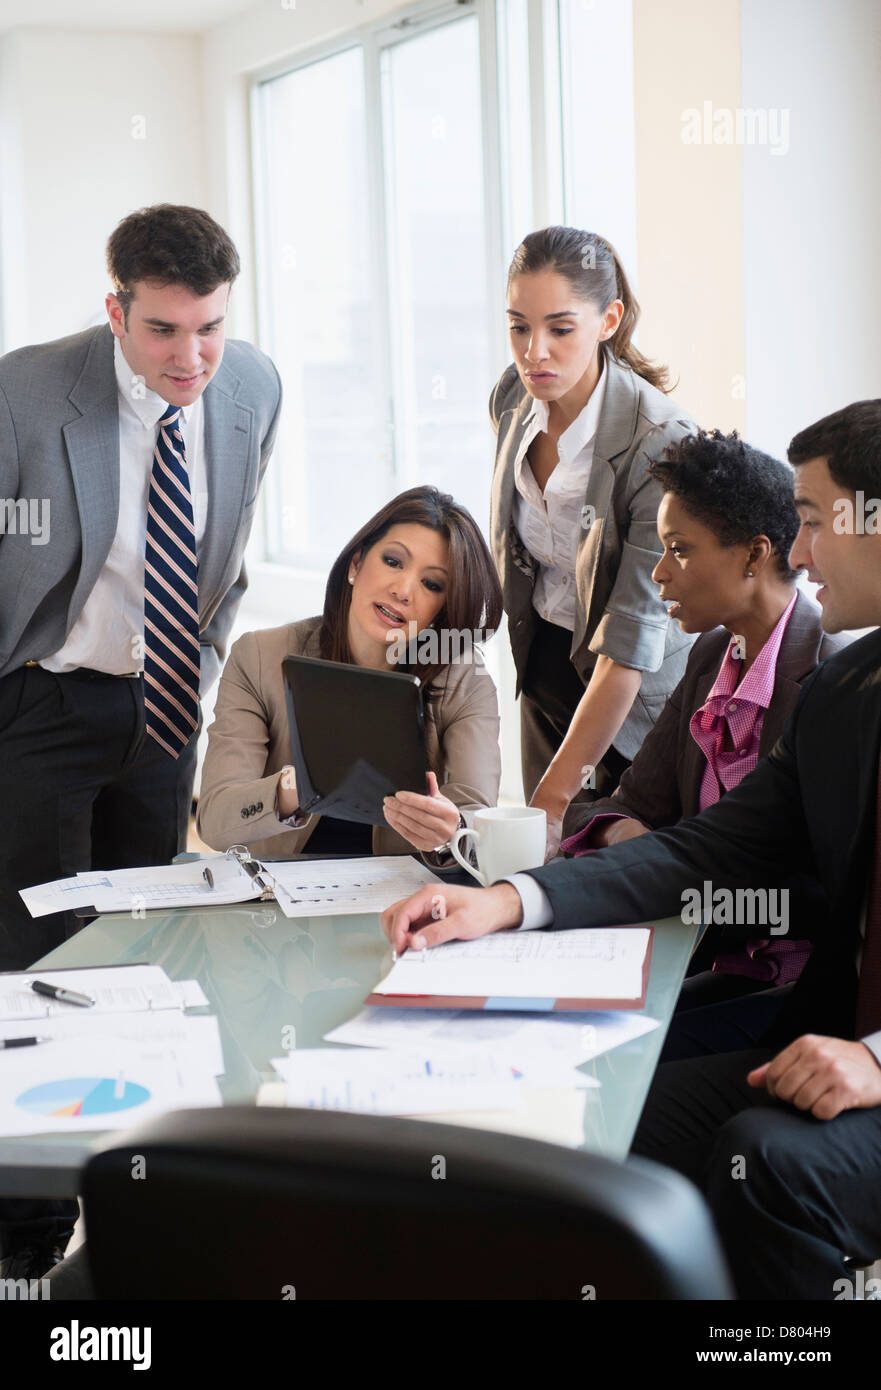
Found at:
<point>66,996</point>
<point>254,872</point>
<point>22,1042</point>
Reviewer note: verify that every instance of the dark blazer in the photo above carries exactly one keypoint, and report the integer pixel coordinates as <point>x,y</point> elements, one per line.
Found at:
<point>59,441</point>
<point>809,807</point>
<point>663,783</point>
<point>618,613</point>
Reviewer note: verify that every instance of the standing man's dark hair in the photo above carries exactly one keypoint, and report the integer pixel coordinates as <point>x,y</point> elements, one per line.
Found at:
<point>135,452</point>
<point>173,246</point>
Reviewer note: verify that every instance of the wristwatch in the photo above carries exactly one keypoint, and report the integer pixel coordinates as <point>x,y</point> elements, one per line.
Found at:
<point>444,848</point>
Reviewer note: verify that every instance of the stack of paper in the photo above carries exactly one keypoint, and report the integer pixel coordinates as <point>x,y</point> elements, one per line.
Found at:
<point>396,1083</point>
<point>132,1056</point>
<point>114,988</point>
<point>550,1044</point>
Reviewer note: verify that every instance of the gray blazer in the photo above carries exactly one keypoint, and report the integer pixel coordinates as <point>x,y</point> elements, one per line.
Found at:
<point>59,442</point>
<point>663,784</point>
<point>618,613</point>
<point>249,744</point>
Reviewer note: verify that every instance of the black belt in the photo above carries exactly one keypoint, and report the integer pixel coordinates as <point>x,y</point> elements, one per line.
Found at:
<point>85,673</point>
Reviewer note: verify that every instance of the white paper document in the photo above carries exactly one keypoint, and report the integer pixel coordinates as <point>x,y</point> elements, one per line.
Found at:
<point>591,963</point>
<point>175,885</point>
<point>165,886</point>
<point>568,1038</point>
<point>396,1083</point>
<point>324,887</point>
<point>197,1040</point>
<point>62,894</point>
<point>115,989</point>
<point>101,1083</point>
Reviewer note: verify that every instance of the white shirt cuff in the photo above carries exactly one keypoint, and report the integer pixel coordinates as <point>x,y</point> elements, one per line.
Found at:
<point>873,1043</point>
<point>537,910</point>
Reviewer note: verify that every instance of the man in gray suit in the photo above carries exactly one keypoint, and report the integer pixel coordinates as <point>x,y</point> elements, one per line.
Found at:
<point>121,544</point>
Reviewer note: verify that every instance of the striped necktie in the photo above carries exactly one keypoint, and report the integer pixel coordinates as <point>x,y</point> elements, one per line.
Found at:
<point>171,595</point>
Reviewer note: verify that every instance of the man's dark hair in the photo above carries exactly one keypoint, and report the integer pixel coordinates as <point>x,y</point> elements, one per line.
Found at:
<point>850,441</point>
<point>172,245</point>
<point>735,490</point>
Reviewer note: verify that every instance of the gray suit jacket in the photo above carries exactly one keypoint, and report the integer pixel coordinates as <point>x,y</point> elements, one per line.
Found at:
<point>59,442</point>
<point>618,612</point>
<point>664,781</point>
<point>249,744</point>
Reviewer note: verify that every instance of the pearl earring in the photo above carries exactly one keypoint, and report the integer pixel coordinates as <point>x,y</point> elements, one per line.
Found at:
<point>351,579</point>
<point>749,574</point>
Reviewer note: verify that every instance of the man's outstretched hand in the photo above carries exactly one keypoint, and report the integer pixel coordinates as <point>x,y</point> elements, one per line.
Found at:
<point>439,913</point>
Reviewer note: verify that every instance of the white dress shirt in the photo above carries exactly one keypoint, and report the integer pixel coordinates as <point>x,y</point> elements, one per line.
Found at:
<point>549,524</point>
<point>107,634</point>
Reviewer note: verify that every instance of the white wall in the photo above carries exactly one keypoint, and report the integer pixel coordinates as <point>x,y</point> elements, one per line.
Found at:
<point>689,207</point>
<point>73,108</point>
<point>812,216</point>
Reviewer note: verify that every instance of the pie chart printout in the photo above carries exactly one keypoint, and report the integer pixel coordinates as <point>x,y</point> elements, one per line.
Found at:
<point>82,1095</point>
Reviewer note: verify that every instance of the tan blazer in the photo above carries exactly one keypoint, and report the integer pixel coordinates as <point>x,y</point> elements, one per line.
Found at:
<point>619,613</point>
<point>249,744</point>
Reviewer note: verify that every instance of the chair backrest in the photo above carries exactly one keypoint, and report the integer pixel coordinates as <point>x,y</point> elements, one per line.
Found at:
<point>250,1203</point>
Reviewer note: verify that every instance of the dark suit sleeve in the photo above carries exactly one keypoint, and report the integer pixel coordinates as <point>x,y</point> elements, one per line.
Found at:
<point>649,789</point>
<point>214,637</point>
<point>756,836</point>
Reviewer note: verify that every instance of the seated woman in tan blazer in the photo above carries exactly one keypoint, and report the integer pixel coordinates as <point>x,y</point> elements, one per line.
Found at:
<point>421,563</point>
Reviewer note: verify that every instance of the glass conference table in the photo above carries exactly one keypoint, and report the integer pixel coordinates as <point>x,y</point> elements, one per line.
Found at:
<point>265,974</point>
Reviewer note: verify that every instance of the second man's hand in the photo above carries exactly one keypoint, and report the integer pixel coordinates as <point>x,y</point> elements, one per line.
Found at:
<point>439,913</point>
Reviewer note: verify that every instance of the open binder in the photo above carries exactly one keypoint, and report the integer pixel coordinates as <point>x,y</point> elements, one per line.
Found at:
<point>301,888</point>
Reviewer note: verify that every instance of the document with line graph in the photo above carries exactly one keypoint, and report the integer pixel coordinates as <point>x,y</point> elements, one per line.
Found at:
<point>591,968</point>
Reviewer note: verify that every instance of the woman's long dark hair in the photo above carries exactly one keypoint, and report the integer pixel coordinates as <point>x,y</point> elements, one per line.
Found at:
<point>473,601</point>
<point>591,265</point>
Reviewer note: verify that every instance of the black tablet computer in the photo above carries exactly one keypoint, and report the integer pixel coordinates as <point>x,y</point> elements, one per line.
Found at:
<point>357,735</point>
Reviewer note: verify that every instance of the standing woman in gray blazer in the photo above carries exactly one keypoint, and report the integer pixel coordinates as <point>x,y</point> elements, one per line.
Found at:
<point>578,416</point>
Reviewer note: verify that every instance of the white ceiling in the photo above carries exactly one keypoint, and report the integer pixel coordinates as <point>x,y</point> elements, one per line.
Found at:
<point>178,16</point>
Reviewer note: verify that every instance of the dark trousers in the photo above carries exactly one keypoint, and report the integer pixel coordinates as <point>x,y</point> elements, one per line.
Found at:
<point>722,1013</point>
<point>792,1196</point>
<point>552,691</point>
<point>81,787</point>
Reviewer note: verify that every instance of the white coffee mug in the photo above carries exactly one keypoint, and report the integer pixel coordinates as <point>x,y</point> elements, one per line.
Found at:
<point>508,839</point>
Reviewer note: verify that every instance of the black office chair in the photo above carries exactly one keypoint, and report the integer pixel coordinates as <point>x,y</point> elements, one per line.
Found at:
<point>250,1203</point>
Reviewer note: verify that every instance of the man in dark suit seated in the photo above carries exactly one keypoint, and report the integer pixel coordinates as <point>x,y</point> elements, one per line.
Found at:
<point>786,1144</point>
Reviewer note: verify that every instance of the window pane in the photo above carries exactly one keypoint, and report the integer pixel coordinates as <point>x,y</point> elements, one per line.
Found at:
<point>596,50</point>
<point>437,262</point>
<point>515,125</point>
<point>330,470</point>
